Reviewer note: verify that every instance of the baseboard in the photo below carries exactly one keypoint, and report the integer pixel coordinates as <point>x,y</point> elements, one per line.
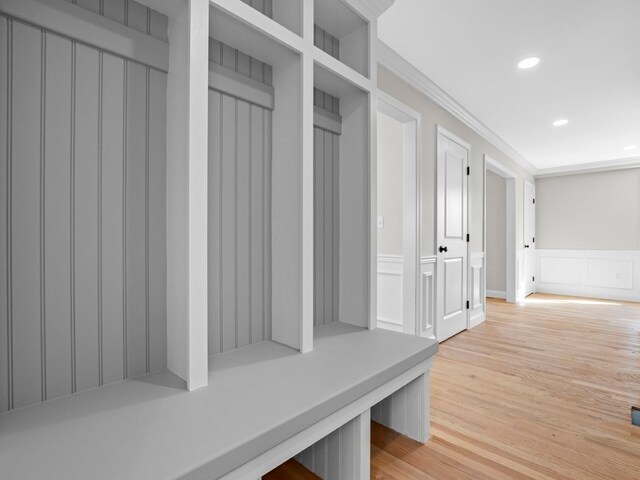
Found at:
<point>601,294</point>
<point>476,320</point>
<point>496,294</point>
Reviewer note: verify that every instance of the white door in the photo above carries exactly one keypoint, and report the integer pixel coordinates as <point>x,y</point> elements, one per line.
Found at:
<point>451,238</point>
<point>529,237</point>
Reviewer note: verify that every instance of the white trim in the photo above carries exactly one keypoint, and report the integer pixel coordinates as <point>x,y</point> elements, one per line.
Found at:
<point>453,137</point>
<point>510,184</point>
<point>496,294</point>
<point>592,167</point>
<point>428,260</point>
<point>392,61</point>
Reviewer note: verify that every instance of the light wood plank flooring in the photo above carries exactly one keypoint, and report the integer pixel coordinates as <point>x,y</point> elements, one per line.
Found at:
<point>541,390</point>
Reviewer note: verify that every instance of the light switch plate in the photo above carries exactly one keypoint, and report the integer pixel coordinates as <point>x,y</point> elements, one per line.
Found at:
<point>380,222</point>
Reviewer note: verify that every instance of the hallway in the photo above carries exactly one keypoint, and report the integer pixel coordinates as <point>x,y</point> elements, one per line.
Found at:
<point>540,390</point>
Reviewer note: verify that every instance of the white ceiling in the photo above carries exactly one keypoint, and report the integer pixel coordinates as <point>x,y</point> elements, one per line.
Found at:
<point>589,73</point>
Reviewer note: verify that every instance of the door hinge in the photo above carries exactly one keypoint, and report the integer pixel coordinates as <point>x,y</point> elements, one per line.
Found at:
<point>534,239</point>
<point>534,201</point>
<point>468,170</point>
<point>533,279</point>
<point>468,237</point>
<point>467,304</point>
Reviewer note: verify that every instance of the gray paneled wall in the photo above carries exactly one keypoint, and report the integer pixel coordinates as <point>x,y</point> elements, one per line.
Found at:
<point>82,227</point>
<point>239,62</point>
<point>130,13</point>
<point>326,42</point>
<point>326,215</point>
<point>239,210</point>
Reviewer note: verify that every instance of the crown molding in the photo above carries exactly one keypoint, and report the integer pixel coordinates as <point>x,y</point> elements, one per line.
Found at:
<point>592,167</point>
<point>371,8</point>
<point>391,60</point>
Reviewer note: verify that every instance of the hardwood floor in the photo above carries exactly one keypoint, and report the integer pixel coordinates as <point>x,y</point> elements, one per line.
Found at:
<point>541,390</point>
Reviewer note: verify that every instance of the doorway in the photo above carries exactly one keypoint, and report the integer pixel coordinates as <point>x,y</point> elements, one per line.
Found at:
<point>500,230</point>
<point>398,216</point>
<point>529,237</point>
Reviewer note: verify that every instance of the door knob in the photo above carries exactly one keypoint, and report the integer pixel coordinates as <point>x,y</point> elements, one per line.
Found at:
<point>526,246</point>
<point>443,249</point>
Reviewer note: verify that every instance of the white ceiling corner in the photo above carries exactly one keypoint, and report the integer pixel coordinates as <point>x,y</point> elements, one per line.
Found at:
<point>589,73</point>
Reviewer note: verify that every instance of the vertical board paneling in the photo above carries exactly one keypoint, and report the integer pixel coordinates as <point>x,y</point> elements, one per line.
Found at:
<point>243,225</point>
<point>214,283</point>
<point>327,240</point>
<point>85,186</point>
<point>228,222</point>
<point>25,215</point>
<point>267,158</point>
<point>239,220</point>
<point>112,175</point>
<point>115,10</point>
<point>136,224</point>
<point>82,128</point>
<point>326,210</point>
<point>336,222</point>
<point>318,222</point>
<point>4,217</point>
<point>156,213</point>
<point>257,224</point>
<point>338,456</point>
<point>137,16</point>
<point>58,216</point>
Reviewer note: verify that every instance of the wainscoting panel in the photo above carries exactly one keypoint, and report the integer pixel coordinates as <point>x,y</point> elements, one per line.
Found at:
<point>390,292</point>
<point>609,274</point>
<point>427,296</point>
<point>520,272</point>
<point>82,247</point>
<point>476,289</point>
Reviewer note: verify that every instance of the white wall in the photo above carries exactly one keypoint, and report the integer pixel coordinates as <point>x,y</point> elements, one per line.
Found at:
<point>496,230</point>
<point>390,159</point>
<point>592,211</point>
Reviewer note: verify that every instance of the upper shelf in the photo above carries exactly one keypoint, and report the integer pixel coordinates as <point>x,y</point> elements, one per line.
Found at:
<point>343,34</point>
<point>258,396</point>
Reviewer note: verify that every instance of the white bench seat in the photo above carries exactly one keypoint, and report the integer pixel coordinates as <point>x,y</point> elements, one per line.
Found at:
<point>152,428</point>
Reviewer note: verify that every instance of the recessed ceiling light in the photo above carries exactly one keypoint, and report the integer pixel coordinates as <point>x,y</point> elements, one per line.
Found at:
<point>529,62</point>
<point>561,122</point>
<point>630,147</point>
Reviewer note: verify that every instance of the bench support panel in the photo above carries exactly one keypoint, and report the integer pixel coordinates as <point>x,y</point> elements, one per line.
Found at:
<point>407,410</point>
<point>344,454</point>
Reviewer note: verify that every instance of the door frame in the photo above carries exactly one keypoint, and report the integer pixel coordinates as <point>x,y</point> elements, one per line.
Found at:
<point>411,121</point>
<point>439,285</point>
<point>533,243</point>
<point>510,177</point>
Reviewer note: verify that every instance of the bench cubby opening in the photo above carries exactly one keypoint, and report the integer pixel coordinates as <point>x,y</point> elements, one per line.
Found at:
<point>255,144</point>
